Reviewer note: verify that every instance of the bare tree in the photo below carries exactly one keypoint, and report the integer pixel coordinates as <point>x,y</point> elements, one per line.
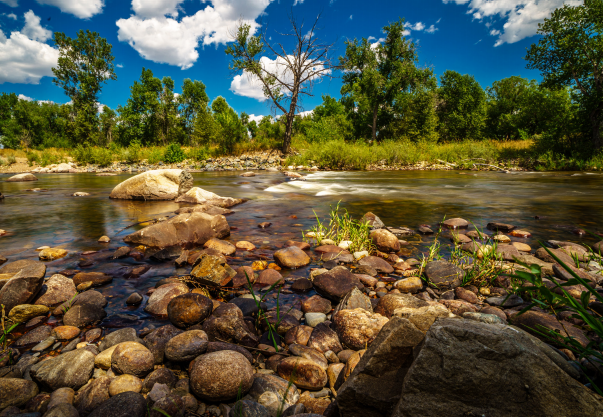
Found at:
<point>284,77</point>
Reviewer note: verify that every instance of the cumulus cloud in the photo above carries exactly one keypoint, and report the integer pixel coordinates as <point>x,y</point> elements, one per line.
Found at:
<point>157,35</point>
<point>522,16</point>
<point>248,85</point>
<point>83,9</point>
<point>11,16</point>
<point>257,119</point>
<point>10,3</point>
<point>119,65</point>
<point>24,57</point>
<point>24,97</point>
<point>418,27</point>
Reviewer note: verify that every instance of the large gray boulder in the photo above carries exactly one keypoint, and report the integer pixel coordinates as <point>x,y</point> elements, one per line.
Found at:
<point>188,228</point>
<point>471,368</point>
<point>23,286</point>
<point>72,369</point>
<point>159,184</point>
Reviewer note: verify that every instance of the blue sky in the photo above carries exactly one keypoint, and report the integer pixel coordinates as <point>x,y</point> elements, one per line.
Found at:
<point>186,39</point>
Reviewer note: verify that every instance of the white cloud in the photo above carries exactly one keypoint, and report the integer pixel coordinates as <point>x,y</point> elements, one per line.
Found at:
<point>431,29</point>
<point>11,16</point>
<point>119,65</point>
<point>351,16</point>
<point>24,97</point>
<point>83,9</point>
<point>305,113</point>
<point>255,118</point>
<point>33,29</point>
<point>175,42</point>
<point>26,60</point>
<point>249,85</point>
<point>10,3</point>
<point>416,26</point>
<point>495,32</point>
<point>156,8</point>
<point>296,2</point>
<point>522,16</point>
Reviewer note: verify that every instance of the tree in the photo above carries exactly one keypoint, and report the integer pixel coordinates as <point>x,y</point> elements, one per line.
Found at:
<point>107,125</point>
<point>192,101</point>
<point>570,53</point>
<point>171,125</point>
<point>462,107</point>
<point>85,64</point>
<point>231,130</point>
<point>286,77</point>
<point>377,75</point>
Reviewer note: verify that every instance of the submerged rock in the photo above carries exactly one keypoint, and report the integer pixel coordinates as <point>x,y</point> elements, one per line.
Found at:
<point>198,195</point>
<point>22,178</point>
<point>160,184</point>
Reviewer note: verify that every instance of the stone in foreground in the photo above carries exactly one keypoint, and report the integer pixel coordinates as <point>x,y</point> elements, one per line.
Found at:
<point>159,184</point>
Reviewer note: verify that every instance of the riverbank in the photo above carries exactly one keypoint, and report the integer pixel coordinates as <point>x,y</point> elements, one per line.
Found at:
<point>107,326</point>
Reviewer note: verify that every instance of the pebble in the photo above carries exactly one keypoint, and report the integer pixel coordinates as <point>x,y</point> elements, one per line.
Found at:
<point>313,319</point>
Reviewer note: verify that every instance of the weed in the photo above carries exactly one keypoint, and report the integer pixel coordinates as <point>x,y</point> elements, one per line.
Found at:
<point>198,154</point>
<point>5,333</point>
<point>82,154</point>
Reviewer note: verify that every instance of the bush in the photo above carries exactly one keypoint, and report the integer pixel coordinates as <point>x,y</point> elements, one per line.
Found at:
<point>11,159</point>
<point>154,156</point>
<point>49,158</point>
<point>102,156</point>
<point>174,154</point>
<point>132,155</point>
<point>198,154</point>
<point>32,157</point>
<point>3,162</point>
<point>82,154</point>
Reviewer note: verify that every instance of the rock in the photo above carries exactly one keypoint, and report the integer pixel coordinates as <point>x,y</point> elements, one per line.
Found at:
<point>298,335</point>
<point>62,410</point>
<point>230,329</point>
<point>56,290</point>
<point>378,264</point>
<point>33,336</point>
<point>455,223</point>
<point>303,372</point>
<point>117,337</point>
<point>534,385</point>
<point>542,254</point>
<point>443,274</point>
<point>162,296</point>
<point>189,309</point>
<point>159,377</point>
<point>313,319</point>
<point>50,254</point>
<point>510,301</point>
<point>244,245</point>
<point>458,307</point>
<point>72,369</point>
<point>385,240</point>
<point>91,297</point>
<point>323,338</point>
<point>161,184</point>
<point>500,227</point>
<point>336,283</point>
<point>484,318</point>
<point>63,333</point>
<point>171,405</point>
<point>358,328</point>
<point>103,359</point>
<point>460,238</point>
<point>212,270</point>
<point>222,246</point>
<point>301,285</point>
<point>104,239</point>
<point>507,252</point>
<point>220,346</point>
<point>495,311</point>
<point>186,346</point>
<point>423,317</point>
<point>220,376</point>
<point>500,238</point>
<point>564,275</point>
<point>82,315</point>
<point>316,304</point>
<point>466,295</point>
<point>372,220</point>
<point>97,278</point>
<point>16,392</point>
<point>23,286</point>
<point>301,245</point>
<point>391,302</point>
<point>134,299</point>
<point>132,358</point>
<point>198,195</point>
<point>269,277</point>
<point>125,383</point>
<point>409,285</point>
<point>291,257</point>
<point>158,339</point>
<point>167,254</point>
<point>126,404</point>
<point>535,321</point>
<point>273,392</point>
<point>248,174</point>
<point>22,178</point>
<point>246,408</point>
<point>25,312</point>
<point>354,299</point>
<point>547,267</point>
<point>187,228</point>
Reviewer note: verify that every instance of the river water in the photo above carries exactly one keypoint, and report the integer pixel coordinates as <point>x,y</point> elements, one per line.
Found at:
<point>549,205</point>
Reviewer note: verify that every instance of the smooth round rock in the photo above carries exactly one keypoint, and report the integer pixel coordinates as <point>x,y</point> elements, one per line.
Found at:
<point>132,358</point>
<point>220,376</point>
<point>270,277</point>
<point>291,257</point>
<point>82,315</point>
<point>303,372</point>
<point>186,346</point>
<point>244,245</point>
<point>26,312</point>
<point>189,309</point>
<point>385,240</point>
<point>159,376</point>
<point>358,328</point>
<point>65,332</point>
<point>125,383</point>
<point>316,304</point>
<point>16,392</point>
<point>126,404</point>
<point>97,278</point>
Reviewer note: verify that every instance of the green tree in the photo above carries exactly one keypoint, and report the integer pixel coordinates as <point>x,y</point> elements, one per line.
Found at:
<point>461,108</point>
<point>171,126</point>
<point>231,130</point>
<point>570,53</point>
<point>85,64</point>
<point>192,101</point>
<point>377,76</point>
<point>108,120</point>
<point>205,128</point>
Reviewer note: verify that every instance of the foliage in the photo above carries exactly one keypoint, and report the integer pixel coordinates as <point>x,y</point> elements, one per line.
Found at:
<point>154,155</point>
<point>198,154</point>
<point>174,154</point>
<point>461,108</point>
<point>570,54</point>
<point>230,129</point>
<point>192,101</point>
<point>5,333</point>
<point>133,153</point>
<point>32,158</point>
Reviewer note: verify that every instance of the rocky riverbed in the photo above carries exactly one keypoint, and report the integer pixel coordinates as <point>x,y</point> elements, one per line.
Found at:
<point>384,333</point>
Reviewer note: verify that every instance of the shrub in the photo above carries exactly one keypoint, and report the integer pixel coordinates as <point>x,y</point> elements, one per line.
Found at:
<point>132,155</point>
<point>32,157</point>
<point>82,154</point>
<point>11,159</point>
<point>174,154</point>
<point>48,158</point>
<point>3,162</point>
<point>198,154</point>
<point>102,156</point>
<point>154,156</point>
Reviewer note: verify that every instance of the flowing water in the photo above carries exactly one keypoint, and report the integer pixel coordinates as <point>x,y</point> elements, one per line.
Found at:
<point>549,205</point>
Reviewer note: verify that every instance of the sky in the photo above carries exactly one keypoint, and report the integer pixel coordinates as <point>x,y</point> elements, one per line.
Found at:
<point>187,38</point>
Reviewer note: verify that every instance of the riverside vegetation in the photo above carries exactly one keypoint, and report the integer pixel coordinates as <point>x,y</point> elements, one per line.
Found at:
<point>392,113</point>
<point>358,333</point>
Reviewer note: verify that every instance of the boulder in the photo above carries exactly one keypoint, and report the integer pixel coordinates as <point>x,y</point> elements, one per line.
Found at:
<point>126,404</point>
<point>160,184</point>
<point>385,240</point>
<point>459,307</point>
<point>162,376</point>
<point>189,309</point>
<point>222,246</point>
<point>298,335</point>
<point>230,329</point>
<point>26,312</point>
<point>35,335</point>
<point>316,304</point>
<point>72,369</point>
<point>423,317</point>
<point>220,346</point>
<point>22,178</point>
<point>82,315</point>
<point>507,252</point>
<point>389,303</point>
<point>162,296</point>
<point>270,277</point>
<point>132,358</point>
<point>409,285</point>
<point>212,270</point>
<point>16,392</point>
<point>92,395</point>
<point>358,328</point>
<point>158,339</point>
<point>186,346</point>
<point>187,228</point>
<point>448,372</point>
<point>380,265</point>
<point>23,286</point>
<point>444,274</point>
<point>535,321</point>
<point>373,388</point>
<point>56,290</point>
<point>125,383</point>
<point>62,410</point>
<point>119,336</point>
<point>336,283</point>
<point>354,299</point>
<point>198,195</point>
<point>291,257</point>
<point>372,220</point>
<point>220,376</point>
<point>91,297</point>
<point>302,372</point>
